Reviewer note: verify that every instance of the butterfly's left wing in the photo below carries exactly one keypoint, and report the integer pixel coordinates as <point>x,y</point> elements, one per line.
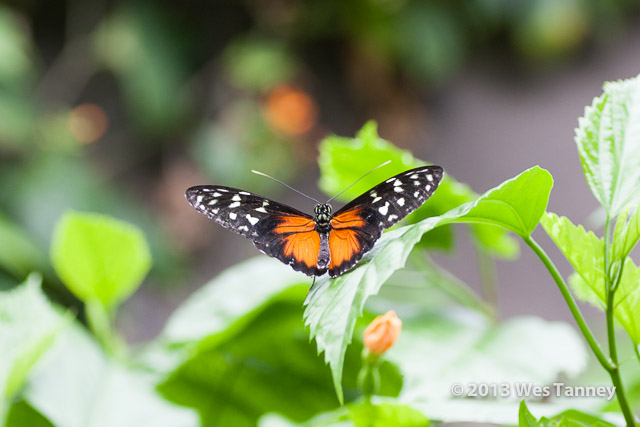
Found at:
<point>276,229</point>
<point>357,226</point>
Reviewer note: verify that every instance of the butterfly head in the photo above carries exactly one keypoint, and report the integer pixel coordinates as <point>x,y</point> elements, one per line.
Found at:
<point>323,214</point>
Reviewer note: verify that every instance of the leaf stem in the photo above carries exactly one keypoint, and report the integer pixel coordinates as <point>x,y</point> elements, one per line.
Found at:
<point>573,307</point>
<point>611,287</point>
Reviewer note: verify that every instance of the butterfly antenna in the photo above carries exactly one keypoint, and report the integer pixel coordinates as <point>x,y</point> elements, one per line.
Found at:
<point>356,181</point>
<point>286,185</point>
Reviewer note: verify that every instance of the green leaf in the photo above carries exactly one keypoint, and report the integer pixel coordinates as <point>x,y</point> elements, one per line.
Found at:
<point>22,414</point>
<point>28,327</point>
<point>608,139</point>
<point>343,160</point>
<point>331,313</point>
<point>625,234</point>
<point>386,414</point>
<point>230,301</point>
<point>229,376</point>
<point>77,385</point>
<point>525,418</point>
<point>233,323</point>
<point>458,346</point>
<point>99,258</point>
<point>577,418</point>
<point>585,252</point>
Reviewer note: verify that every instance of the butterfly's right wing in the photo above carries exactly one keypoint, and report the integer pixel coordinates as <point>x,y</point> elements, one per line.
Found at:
<point>276,229</point>
<point>357,226</point>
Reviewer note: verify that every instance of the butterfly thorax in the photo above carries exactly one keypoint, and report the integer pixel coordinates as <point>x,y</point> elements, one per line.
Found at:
<point>323,216</point>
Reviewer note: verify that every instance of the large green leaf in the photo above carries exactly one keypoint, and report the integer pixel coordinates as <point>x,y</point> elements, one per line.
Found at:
<point>78,386</point>
<point>264,363</point>
<point>608,139</point>
<point>343,160</point>
<point>334,305</point>
<point>229,300</point>
<point>28,327</point>
<point>465,348</point>
<point>585,252</point>
<point>234,323</point>
<point>99,258</point>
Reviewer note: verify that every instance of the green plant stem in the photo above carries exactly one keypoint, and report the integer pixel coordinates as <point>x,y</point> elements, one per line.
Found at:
<point>573,307</point>
<point>611,287</point>
<point>611,366</point>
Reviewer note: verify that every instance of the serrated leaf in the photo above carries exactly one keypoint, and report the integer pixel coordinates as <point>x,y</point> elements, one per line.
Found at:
<point>77,385</point>
<point>626,233</point>
<point>343,160</point>
<point>331,313</point>
<point>608,140</point>
<point>99,258</point>
<point>585,252</point>
<point>28,327</point>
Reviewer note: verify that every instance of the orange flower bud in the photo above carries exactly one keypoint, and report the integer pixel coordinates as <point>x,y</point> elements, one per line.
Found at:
<point>382,333</point>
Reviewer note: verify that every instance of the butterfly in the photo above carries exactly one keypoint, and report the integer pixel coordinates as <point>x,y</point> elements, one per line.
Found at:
<point>325,242</point>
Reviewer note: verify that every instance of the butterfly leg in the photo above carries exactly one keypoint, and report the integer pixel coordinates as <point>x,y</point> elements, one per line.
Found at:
<point>312,283</point>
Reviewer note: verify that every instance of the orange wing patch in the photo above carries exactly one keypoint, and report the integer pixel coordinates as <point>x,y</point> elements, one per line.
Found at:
<point>348,219</point>
<point>344,245</point>
<point>302,242</point>
<point>294,224</point>
<point>304,247</point>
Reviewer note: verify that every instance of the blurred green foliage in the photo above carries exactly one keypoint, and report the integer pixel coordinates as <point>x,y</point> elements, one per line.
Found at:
<point>186,94</point>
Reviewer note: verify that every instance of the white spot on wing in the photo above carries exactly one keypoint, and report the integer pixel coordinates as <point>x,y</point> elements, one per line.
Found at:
<point>416,182</point>
<point>398,182</point>
<point>383,210</point>
<point>392,217</point>
<point>243,228</point>
<point>261,209</point>
<point>430,177</point>
<point>416,194</point>
<point>212,202</point>
<point>414,176</point>
<point>376,199</point>
<point>215,211</point>
<point>252,220</point>
<point>236,198</point>
<point>244,193</point>
<point>397,189</point>
<point>401,201</point>
<point>391,179</point>
<point>234,205</point>
<point>216,194</point>
<point>373,194</point>
<point>233,215</point>
<point>223,190</point>
<point>428,187</point>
